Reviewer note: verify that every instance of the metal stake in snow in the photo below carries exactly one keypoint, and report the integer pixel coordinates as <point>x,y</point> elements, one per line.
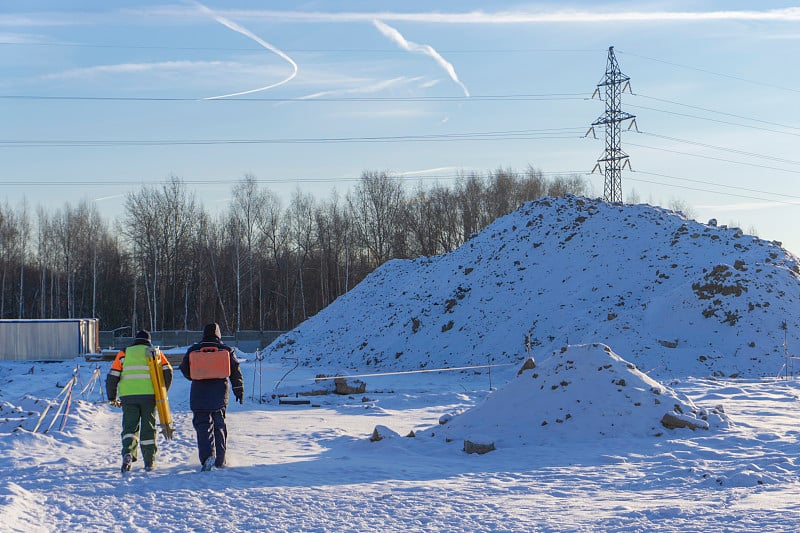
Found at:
<point>258,371</point>
<point>788,363</point>
<point>614,159</point>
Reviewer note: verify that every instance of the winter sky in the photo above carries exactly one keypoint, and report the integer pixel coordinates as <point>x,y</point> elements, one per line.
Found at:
<point>100,98</point>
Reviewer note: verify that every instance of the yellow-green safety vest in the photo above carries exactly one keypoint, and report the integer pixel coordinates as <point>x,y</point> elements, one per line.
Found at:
<point>134,380</point>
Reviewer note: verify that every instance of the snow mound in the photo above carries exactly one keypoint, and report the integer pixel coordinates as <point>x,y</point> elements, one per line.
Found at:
<point>582,392</point>
<point>682,298</point>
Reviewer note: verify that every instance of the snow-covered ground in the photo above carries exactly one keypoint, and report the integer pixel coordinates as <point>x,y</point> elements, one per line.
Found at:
<point>314,468</point>
<point>695,320</point>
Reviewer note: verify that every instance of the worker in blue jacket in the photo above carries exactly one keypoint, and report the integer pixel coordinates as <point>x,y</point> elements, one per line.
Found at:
<point>210,364</point>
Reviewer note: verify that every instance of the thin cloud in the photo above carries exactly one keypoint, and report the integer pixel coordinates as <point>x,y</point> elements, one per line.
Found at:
<point>437,170</point>
<point>364,89</point>
<point>425,49</point>
<point>137,68</point>
<point>247,33</point>
<point>19,38</point>
<point>385,114</point>
<point>37,20</point>
<point>789,14</point>
<point>103,198</point>
<point>430,83</point>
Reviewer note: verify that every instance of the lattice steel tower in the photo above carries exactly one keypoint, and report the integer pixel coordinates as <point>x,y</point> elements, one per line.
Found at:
<point>614,160</point>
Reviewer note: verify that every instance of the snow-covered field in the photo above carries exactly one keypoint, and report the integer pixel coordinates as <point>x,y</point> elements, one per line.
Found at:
<point>582,440</point>
<point>313,467</point>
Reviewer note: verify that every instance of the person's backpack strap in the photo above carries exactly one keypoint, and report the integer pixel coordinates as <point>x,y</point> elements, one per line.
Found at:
<point>209,362</point>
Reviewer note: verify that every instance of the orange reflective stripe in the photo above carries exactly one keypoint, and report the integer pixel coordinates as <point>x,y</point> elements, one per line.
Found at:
<point>209,363</point>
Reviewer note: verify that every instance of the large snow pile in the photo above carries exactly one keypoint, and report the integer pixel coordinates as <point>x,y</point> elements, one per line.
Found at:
<point>684,298</point>
<point>581,393</point>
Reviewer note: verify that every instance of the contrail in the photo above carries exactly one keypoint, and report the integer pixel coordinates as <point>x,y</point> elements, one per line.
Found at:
<point>247,33</point>
<point>108,197</point>
<point>427,171</point>
<point>366,89</point>
<point>428,50</point>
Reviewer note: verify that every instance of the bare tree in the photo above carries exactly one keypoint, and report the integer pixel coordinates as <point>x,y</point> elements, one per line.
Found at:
<point>335,243</point>
<point>533,185</point>
<point>470,193</point>
<point>563,185</point>
<point>9,241</point>
<point>66,229</point>
<point>300,221</point>
<point>274,274</point>
<point>44,242</point>
<point>682,206</point>
<point>500,193</point>
<point>23,235</point>
<point>247,202</point>
<point>172,265</point>
<point>160,225</point>
<point>377,205</point>
<point>420,223</point>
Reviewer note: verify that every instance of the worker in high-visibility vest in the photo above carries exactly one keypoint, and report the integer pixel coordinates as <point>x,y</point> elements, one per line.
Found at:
<point>128,385</point>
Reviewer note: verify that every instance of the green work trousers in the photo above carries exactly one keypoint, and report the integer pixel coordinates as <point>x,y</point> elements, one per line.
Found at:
<point>135,417</point>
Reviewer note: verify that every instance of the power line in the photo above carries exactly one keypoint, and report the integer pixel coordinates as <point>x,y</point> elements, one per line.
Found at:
<point>712,158</point>
<point>722,148</point>
<point>552,133</point>
<point>350,179</point>
<point>295,50</point>
<point>773,200</point>
<point>223,181</point>
<point>488,97</point>
<point>715,120</point>
<point>720,74</point>
<point>717,112</point>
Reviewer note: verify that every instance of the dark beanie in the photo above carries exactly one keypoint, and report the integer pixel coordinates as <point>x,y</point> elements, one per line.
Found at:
<point>143,335</point>
<point>211,331</point>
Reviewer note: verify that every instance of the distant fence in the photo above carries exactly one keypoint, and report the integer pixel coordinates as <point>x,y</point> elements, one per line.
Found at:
<point>246,341</point>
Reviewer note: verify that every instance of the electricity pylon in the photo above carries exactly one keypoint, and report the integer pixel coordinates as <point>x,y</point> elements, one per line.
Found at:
<point>614,160</point>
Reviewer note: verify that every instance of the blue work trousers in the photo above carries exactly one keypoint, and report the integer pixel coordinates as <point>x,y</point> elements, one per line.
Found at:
<point>212,435</point>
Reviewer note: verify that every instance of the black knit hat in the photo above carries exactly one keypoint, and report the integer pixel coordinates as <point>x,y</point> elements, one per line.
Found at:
<point>211,331</point>
<point>142,335</point>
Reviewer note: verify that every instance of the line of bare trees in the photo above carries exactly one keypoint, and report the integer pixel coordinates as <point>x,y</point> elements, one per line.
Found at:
<point>165,263</point>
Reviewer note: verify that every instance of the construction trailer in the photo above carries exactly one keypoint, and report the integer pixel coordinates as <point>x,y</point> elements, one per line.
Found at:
<point>48,339</point>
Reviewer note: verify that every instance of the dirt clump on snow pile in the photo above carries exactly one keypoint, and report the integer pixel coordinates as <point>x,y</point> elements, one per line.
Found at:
<point>582,392</point>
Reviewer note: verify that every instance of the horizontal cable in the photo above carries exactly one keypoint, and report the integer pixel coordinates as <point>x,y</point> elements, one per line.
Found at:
<point>712,158</point>
<point>299,50</point>
<point>399,373</point>
<point>686,115</point>
<point>488,97</point>
<point>774,200</point>
<point>553,133</point>
<point>721,74</point>
<point>723,149</point>
<point>708,110</point>
<point>266,181</point>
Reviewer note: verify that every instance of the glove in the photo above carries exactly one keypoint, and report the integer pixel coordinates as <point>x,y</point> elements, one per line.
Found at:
<point>115,403</point>
<point>239,397</point>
